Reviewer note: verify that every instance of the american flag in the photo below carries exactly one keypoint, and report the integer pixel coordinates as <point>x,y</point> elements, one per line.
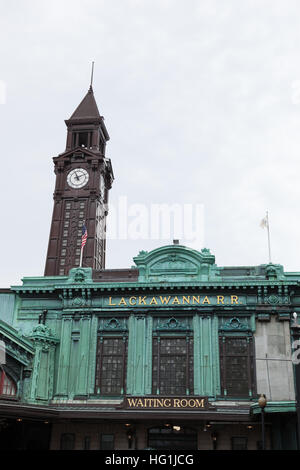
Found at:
<point>84,236</point>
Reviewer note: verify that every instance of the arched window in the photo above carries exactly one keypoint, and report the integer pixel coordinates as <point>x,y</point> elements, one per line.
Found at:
<point>7,385</point>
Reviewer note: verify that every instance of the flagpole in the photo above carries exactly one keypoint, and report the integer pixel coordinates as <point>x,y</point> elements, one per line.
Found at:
<point>265,223</point>
<point>81,252</point>
<point>269,244</point>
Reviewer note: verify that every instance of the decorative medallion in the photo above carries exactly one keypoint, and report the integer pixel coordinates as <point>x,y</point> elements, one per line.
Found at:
<point>113,324</point>
<point>78,302</point>
<point>273,299</point>
<point>234,324</point>
<point>172,324</point>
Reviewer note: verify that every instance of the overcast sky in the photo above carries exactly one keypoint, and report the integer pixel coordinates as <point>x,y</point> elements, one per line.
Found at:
<point>201,99</point>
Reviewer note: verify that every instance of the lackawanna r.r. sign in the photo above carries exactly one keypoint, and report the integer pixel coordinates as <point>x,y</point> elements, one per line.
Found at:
<point>164,403</point>
<point>173,300</point>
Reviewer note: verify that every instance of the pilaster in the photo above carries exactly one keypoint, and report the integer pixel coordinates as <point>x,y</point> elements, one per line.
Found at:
<point>83,365</point>
<point>205,355</point>
<point>139,355</point>
<point>64,357</point>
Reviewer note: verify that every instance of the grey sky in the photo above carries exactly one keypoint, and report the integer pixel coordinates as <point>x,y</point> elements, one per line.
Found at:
<point>202,103</point>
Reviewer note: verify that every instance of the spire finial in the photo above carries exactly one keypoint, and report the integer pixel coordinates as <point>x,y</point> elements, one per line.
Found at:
<point>92,76</point>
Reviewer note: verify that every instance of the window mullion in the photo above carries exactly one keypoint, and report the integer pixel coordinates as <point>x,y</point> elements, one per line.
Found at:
<point>224,365</point>
<point>249,367</point>
<point>187,367</point>
<point>124,365</point>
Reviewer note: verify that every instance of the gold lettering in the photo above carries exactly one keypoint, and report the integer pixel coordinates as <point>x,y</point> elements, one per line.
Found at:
<point>132,300</point>
<point>220,299</point>
<point>196,298</point>
<point>142,300</point>
<point>153,301</point>
<point>110,302</point>
<point>122,301</point>
<point>176,300</point>
<point>146,401</point>
<point>234,299</point>
<point>200,403</point>
<point>206,300</point>
<point>132,402</point>
<point>186,299</point>
<point>165,402</point>
<point>164,300</point>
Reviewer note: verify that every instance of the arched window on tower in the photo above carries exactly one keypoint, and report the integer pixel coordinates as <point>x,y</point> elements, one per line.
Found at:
<point>7,386</point>
<point>82,139</point>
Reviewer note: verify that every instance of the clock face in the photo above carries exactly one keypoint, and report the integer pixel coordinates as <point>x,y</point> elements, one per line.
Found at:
<point>77,178</point>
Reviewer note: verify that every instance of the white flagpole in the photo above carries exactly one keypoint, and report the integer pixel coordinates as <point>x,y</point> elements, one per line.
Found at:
<point>80,262</point>
<point>81,251</point>
<point>265,223</point>
<point>269,244</point>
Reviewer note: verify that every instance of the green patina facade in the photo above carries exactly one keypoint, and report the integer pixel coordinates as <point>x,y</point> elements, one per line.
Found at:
<point>178,289</point>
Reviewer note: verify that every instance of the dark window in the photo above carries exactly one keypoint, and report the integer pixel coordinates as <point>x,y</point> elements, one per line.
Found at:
<point>107,442</point>
<point>172,372</point>
<point>67,441</point>
<point>239,443</point>
<point>81,139</point>
<point>111,365</point>
<point>237,366</point>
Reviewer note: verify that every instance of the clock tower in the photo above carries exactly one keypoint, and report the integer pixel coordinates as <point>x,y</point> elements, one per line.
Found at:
<point>83,178</point>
